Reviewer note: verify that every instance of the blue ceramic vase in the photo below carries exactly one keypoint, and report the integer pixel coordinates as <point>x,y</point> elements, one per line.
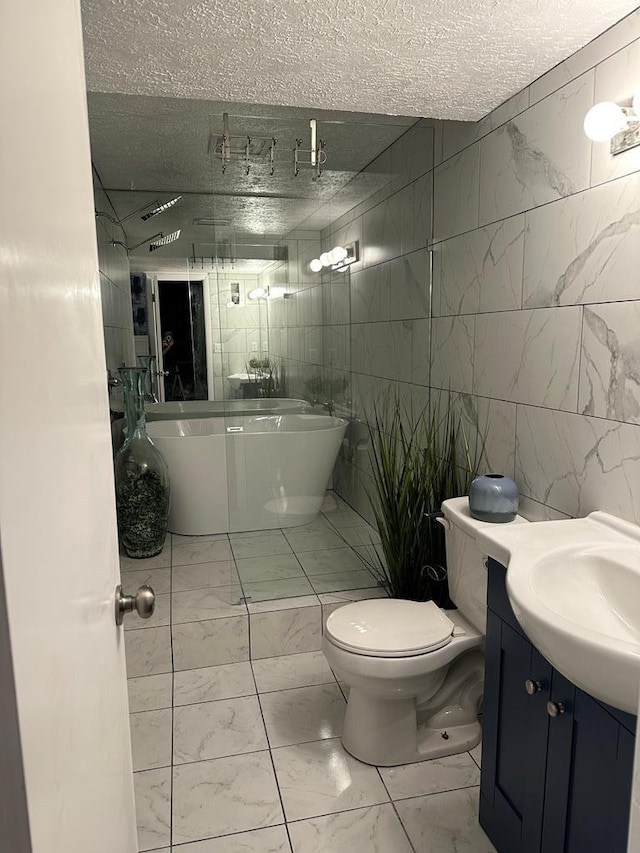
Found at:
<point>494,497</point>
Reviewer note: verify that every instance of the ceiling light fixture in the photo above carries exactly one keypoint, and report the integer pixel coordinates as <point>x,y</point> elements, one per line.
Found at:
<point>618,123</point>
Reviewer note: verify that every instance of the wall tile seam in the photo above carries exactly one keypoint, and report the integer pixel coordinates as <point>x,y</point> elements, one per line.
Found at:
<point>383,200</point>
<point>591,67</point>
<point>533,103</point>
<point>432,246</point>
<point>520,403</point>
<point>520,310</point>
<point>377,203</point>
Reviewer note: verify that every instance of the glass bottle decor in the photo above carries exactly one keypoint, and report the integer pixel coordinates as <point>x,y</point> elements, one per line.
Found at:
<point>142,477</point>
<point>149,364</point>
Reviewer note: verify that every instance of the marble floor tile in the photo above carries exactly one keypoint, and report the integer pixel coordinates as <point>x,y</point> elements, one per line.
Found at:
<point>260,546</point>
<point>285,632</point>
<point>322,778</point>
<point>303,714</point>
<point>372,830</point>
<point>273,839</point>
<point>213,682</point>
<point>199,605</point>
<point>216,729</point>
<point>271,568</point>
<point>337,581</point>
<point>148,652</point>
<point>201,575</point>
<point>341,518</point>
<point>313,540</point>
<point>151,739</point>
<point>225,795</point>
<point>158,579</point>
<point>150,692</point>
<point>476,754</point>
<point>273,590</point>
<point>362,535</point>
<point>161,560</point>
<point>287,671</point>
<point>217,641</point>
<point>330,561</point>
<point>188,553</point>
<point>431,777</point>
<point>272,605</point>
<point>445,823</point>
<point>161,616</point>
<point>153,807</point>
<point>179,539</point>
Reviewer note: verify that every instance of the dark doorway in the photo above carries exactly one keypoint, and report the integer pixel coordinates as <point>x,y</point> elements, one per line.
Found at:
<point>182,329</point>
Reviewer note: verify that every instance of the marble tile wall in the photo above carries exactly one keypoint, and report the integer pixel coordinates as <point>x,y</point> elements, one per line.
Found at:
<point>239,334</point>
<point>376,316</point>
<point>115,289</point>
<point>536,291</point>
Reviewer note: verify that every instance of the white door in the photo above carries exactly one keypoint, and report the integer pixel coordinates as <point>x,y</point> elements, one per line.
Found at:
<point>57,516</point>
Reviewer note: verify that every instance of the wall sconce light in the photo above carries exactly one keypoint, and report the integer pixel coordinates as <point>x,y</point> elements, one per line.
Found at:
<point>338,258</point>
<point>615,122</point>
<point>267,292</point>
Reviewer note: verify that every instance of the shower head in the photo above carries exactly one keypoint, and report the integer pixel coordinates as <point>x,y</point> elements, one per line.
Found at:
<point>163,240</point>
<point>160,208</point>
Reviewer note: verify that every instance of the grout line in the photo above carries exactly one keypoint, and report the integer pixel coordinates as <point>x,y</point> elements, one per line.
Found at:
<point>273,765</point>
<point>393,805</point>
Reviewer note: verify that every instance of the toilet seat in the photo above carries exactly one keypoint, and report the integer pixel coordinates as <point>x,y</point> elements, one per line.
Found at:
<point>389,628</point>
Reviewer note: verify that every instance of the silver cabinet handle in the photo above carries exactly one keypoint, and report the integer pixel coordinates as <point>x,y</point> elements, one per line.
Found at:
<point>143,602</point>
<point>532,687</point>
<point>554,709</point>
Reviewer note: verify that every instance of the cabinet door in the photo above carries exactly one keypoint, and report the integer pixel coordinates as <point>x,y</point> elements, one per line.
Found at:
<point>590,763</point>
<point>514,740</point>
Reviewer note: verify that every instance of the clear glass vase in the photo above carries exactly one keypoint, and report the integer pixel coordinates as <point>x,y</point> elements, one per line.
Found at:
<point>142,477</point>
<point>149,364</point>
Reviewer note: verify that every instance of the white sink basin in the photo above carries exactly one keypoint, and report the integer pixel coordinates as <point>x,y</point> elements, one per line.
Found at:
<point>575,589</point>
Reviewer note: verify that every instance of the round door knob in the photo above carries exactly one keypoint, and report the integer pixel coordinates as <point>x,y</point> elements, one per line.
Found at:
<point>532,687</point>
<point>554,709</point>
<point>143,602</point>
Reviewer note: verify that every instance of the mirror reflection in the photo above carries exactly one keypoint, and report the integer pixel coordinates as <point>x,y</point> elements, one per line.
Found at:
<point>268,248</point>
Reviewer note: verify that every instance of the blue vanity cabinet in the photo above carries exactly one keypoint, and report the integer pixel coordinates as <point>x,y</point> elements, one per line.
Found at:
<point>515,724</point>
<point>589,773</point>
<point>550,784</point>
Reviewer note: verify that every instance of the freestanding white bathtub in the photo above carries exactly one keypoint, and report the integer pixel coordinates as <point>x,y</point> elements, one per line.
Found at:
<point>247,473</point>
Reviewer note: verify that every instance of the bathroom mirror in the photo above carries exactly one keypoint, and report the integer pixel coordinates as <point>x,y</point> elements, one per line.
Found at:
<point>283,292</point>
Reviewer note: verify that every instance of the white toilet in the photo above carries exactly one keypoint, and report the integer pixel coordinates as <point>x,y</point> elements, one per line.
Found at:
<point>416,672</point>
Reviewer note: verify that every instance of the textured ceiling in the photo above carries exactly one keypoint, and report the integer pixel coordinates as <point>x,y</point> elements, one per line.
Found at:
<point>454,59</point>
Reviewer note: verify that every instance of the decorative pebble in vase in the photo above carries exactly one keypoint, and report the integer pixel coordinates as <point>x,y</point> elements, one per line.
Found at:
<point>494,497</point>
<point>142,477</point>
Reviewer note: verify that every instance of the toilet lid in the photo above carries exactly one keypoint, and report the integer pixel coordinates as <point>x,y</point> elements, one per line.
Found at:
<point>389,627</point>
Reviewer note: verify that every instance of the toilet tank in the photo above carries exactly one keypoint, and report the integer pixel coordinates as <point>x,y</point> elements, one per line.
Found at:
<point>466,568</point>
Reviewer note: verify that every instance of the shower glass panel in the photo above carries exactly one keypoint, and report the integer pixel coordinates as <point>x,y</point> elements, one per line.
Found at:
<point>299,345</point>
